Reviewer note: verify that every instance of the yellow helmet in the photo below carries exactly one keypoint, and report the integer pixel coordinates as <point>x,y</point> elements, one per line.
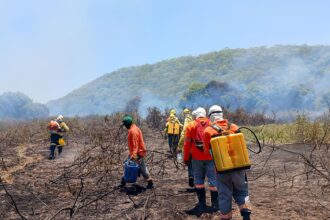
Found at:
<point>186,111</point>
<point>173,111</point>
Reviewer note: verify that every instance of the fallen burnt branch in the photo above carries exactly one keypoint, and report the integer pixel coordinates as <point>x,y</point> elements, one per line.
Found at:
<point>99,164</point>
<point>12,201</point>
<point>85,186</point>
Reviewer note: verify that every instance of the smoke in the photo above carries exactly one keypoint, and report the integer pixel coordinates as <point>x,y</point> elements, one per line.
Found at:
<point>19,106</point>
<point>292,79</point>
<point>69,154</point>
<point>150,100</point>
<point>296,79</point>
<point>302,87</point>
<point>274,80</point>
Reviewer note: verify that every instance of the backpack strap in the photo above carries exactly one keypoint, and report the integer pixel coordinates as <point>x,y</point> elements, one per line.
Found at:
<point>229,125</point>
<point>220,130</point>
<point>216,127</point>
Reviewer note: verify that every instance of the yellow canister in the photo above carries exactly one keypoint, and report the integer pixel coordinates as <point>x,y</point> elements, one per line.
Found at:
<point>230,152</point>
<point>61,142</point>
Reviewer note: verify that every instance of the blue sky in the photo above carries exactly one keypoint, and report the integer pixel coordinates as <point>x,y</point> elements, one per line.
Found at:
<point>49,48</point>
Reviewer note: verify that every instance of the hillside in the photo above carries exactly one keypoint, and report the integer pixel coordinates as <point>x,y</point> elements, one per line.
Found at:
<point>264,74</point>
<point>18,106</point>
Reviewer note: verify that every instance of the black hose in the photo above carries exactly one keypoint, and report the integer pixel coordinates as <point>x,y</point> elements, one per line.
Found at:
<point>260,148</point>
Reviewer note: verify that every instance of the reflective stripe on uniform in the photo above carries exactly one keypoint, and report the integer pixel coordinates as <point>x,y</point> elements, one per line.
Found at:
<point>226,216</point>
<point>244,206</point>
<point>213,188</point>
<point>199,186</point>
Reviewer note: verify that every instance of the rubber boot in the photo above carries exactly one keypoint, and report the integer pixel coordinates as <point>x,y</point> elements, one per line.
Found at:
<point>122,183</point>
<point>59,148</point>
<point>191,181</point>
<point>200,208</point>
<point>52,152</point>
<point>215,202</point>
<point>191,188</point>
<point>245,213</point>
<point>150,185</point>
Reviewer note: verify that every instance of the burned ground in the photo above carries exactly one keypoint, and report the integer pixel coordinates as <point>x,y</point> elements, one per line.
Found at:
<point>82,183</point>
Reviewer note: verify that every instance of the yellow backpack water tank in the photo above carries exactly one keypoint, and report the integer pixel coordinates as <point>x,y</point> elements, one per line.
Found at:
<point>230,152</point>
<point>173,128</point>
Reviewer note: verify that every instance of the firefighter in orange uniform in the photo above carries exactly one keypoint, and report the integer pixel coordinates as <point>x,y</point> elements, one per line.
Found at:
<point>57,129</point>
<point>231,183</point>
<point>137,149</point>
<point>202,163</point>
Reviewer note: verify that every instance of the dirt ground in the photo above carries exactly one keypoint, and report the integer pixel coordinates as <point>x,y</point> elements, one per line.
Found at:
<point>277,190</point>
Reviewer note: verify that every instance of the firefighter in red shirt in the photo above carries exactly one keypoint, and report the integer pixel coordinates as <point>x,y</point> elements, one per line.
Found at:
<point>137,149</point>
<point>231,183</point>
<point>202,163</point>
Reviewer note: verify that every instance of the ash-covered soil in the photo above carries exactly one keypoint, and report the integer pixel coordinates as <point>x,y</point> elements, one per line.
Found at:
<point>44,189</point>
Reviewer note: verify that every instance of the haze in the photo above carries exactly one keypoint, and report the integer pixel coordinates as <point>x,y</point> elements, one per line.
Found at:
<point>49,48</point>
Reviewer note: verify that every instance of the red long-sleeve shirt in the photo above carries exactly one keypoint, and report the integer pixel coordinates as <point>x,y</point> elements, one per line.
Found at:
<point>135,142</point>
<point>189,143</point>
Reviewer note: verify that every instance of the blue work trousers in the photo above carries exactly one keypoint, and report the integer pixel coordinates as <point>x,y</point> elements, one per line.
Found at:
<point>173,141</point>
<point>232,184</point>
<point>54,138</point>
<point>202,169</point>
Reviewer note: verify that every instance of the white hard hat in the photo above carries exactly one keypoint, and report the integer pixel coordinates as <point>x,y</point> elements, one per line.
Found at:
<point>199,112</point>
<point>60,118</point>
<point>215,109</point>
<point>215,113</point>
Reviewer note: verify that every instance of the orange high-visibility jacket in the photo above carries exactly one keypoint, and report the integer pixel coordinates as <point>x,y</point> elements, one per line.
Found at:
<point>189,143</point>
<point>209,132</point>
<point>135,142</point>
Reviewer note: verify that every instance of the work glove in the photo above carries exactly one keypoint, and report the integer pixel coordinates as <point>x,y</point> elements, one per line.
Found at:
<point>187,162</point>
<point>134,159</point>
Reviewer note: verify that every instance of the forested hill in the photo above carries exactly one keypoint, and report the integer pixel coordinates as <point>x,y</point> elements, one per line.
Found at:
<point>266,76</point>
<point>18,106</point>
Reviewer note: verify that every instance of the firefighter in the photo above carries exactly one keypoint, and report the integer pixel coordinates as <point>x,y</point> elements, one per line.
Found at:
<point>172,112</point>
<point>202,163</point>
<point>187,120</point>
<point>137,150</point>
<point>231,183</point>
<point>172,132</point>
<point>57,128</point>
